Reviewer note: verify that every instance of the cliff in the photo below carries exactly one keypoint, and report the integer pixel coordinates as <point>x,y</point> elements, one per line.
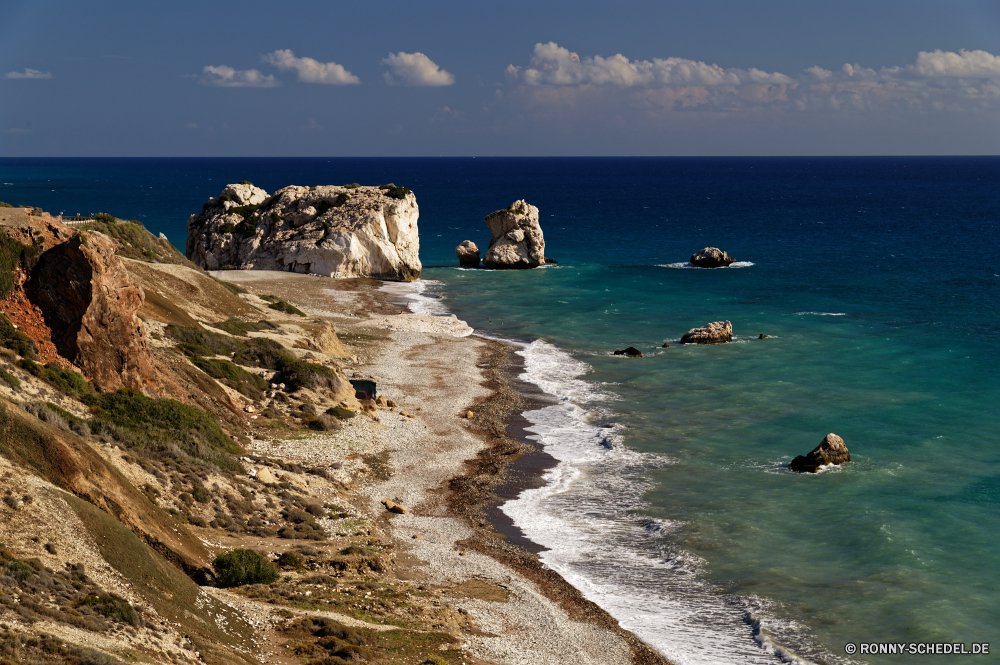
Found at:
<point>350,231</point>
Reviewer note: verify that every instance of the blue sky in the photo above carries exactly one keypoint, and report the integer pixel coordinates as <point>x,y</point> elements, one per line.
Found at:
<point>514,78</point>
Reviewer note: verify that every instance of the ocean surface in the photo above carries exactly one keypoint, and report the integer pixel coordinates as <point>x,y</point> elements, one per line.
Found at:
<point>876,280</point>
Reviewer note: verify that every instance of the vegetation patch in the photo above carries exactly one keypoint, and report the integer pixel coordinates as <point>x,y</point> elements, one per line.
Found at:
<point>234,288</point>
<point>240,567</point>
<point>12,253</point>
<point>44,649</point>
<point>282,306</point>
<point>164,428</point>
<point>198,342</point>
<point>15,340</point>
<point>241,328</point>
<point>65,380</point>
<point>5,205</point>
<point>392,191</point>
<point>244,382</point>
<point>135,241</point>
<point>340,412</point>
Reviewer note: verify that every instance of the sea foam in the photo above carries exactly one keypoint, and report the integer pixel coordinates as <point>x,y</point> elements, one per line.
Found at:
<point>685,265</point>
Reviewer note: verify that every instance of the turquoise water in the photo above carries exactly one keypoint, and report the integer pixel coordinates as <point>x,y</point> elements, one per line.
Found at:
<point>876,282</point>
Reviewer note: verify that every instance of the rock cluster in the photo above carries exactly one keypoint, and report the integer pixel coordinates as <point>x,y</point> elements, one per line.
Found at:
<point>468,254</point>
<point>717,332</point>
<point>711,257</point>
<point>517,238</point>
<point>335,231</point>
<point>832,450</point>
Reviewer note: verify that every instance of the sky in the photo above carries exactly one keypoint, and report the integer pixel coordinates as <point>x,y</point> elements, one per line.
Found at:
<point>467,78</point>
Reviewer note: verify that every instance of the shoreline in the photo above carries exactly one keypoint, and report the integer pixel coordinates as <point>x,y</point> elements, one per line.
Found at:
<point>454,473</point>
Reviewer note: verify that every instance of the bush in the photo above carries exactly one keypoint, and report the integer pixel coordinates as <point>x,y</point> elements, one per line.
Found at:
<point>65,380</point>
<point>240,567</point>
<point>12,253</point>
<point>15,340</point>
<point>237,378</point>
<point>10,379</point>
<point>243,211</point>
<point>5,205</point>
<point>241,328</point>
<point>245,182</point>
<point>105,217</point>
<point>287,308</point>
<point>228,227</point>
<point>395,192</point>
<point>236,289</point>
<point>195,342</point>
<point>292,559</point>
<point>340,412</point>
<point>135,241</point>
<point>353,185</point>
<point>114,608</point>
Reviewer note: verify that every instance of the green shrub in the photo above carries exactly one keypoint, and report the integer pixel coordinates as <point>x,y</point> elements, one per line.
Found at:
<point>163,428</point>
<point>225,198</point>
<point>241,328</point>
<point>10,379</point>
<point>114,608</point>
<point>292,559</point>
<point>243,211</point>
<point>240,567</point>
<point>105,217</point>
<point>245,182</point>
<point>353,185</point>
<point>5,205</point>
<point>286,307</point>
<point>65,380</point>
<point>296,374</point>
<point>340,412</point>
<point>228,227</point>
<point>135,241</point>
<point>15,340</point>
<point>245,383</point>
<point>395,192</point>
<point>12,253</point>
<point>195,342</point>
<point>261,352</point>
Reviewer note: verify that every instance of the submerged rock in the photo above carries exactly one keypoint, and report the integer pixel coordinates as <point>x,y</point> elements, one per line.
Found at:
<point>468,254</point>
<point>711,257</point>
<point>517,238</point>
<point>330,230</point>
<point>832,450</point>
<point>717,332</point>
<point>631,352</point>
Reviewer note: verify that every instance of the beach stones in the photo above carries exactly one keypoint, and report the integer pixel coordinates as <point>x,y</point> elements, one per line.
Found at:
<point>630,352</point>
<point>468,254</point>
<point>394,507</point>
<point>832,450</point>
<point>711,257</point>
<point>717,332</point>
<point>517,241</point>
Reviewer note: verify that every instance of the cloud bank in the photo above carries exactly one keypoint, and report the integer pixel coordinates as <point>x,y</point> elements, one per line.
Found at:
<point>311,71</point>
<point>414,69</point>
<point>28,74</point>
<point>936,81</point>
<point>223,76</point>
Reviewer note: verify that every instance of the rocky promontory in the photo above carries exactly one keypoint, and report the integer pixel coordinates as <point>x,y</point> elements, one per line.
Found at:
<point>517,238</point>
<point>338,231</point>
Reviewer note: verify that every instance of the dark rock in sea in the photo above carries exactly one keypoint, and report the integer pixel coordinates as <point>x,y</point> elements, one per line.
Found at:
<point>468,254</point>
<point>763,336</point>
<point>550,261</point>
<point>832,450</point>
<point>711,257</point>
<point>665,346</point>
<point>631,352</point>
<point>717,332</point>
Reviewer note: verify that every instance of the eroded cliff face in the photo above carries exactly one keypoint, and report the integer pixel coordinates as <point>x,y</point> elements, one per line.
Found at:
<point>330,230</point>
<point>89,302</point>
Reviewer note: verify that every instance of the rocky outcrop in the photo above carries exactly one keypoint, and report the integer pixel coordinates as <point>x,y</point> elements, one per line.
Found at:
<point>468,254</point>
<point>517,238</point>
<point>335,231</point>
<point>89,301</point>
<point>711,257</point>
<point>717,332</point>
<point>832,450</point>
<point>630,352</point>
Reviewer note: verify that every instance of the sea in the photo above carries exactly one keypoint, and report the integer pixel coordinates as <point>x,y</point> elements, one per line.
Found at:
<point>876,281</point>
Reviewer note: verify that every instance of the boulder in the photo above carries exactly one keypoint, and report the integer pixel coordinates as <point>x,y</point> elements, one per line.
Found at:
<point>89,301</point>
<point>468,254</point>
<point>517,241</point>
<point>832,450</point>
<point>763,336</point>
<point>717,332</point>
<point>711,257</point>
<point>324,338</point>
<point>631,352</point>
<point>265,476</point>
<point>327,230</point>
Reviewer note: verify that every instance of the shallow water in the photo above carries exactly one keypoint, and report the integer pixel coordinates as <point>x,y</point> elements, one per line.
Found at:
<point>874,279</point>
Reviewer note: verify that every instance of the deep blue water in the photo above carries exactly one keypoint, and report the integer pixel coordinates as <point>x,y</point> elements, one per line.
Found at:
<point>877,283</point>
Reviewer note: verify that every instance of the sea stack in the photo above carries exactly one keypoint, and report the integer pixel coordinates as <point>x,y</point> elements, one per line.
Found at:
<point>717,332</point>
<point>468,254</point>
<point>337,231</point>
<point>630,352</point>
<point>832,450</point>
<point>711,257</point>
<point>517,241</point>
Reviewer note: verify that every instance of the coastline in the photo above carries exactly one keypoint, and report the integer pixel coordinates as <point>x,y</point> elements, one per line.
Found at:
<point>455,472</point>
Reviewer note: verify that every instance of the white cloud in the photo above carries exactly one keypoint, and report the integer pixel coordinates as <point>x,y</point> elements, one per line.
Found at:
<point>311,71</point>
<point>28,74</point>
<point>223,76</point>
<point>936,81</point>
<point>414,69</point>
<point>552,64</point>
<point>964,64</point>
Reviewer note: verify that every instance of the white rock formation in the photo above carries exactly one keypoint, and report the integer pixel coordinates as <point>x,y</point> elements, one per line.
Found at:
<point>716,332</point>
<point>468,254</point>
<point>330,230</point>
<point>517,238</point>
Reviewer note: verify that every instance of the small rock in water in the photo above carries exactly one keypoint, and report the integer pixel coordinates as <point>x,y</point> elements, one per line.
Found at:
<point>717,332</point>
<point>711,257</point>
<point>665,346</point>
<point>763,336</point>
<point>832,450</point>
<point>630,352</point>
<point>468,254</point>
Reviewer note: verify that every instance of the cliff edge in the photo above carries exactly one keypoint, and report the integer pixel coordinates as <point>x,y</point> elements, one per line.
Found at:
<point>349,231</point>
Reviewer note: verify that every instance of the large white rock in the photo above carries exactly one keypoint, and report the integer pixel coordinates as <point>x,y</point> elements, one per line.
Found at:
<point>517,238</point>
<point>329,230</point>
